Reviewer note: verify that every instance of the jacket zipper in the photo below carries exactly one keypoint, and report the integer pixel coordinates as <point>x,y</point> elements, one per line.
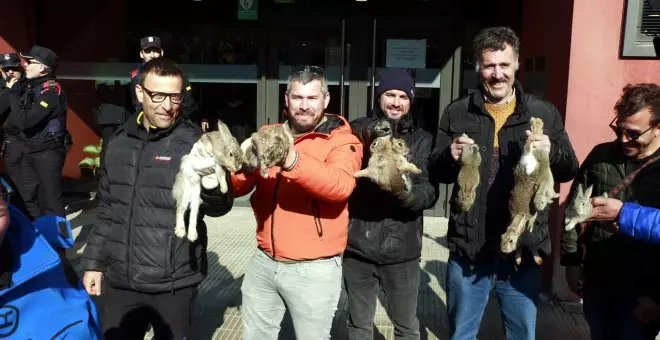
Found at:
<point>172,262</point>
<point>317,219</point>
<point>130,216</point>
<point>272,216</point>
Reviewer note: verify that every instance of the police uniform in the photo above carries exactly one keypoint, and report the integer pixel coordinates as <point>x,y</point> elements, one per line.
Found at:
<point>188,106</point>
<point>12,145</point>
<point>38,109</point>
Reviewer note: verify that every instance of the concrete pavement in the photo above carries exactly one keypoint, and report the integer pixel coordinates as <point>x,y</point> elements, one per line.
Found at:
<point>232,242</point>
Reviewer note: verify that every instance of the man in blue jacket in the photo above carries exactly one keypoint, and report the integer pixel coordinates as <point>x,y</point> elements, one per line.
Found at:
<point>36,299</point>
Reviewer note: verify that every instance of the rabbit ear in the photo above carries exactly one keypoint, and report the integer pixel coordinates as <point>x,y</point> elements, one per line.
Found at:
<point>579,192</point>
<point>587,193</point>
<point>222,127</point>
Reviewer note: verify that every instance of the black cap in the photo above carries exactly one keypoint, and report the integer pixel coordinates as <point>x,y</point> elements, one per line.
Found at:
<point>43,55</point>
<point>149,41</point>
<point>10,60</point>
<point>396,79</point>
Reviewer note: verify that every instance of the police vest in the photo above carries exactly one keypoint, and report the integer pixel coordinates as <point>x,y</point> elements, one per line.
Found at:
<point>56,124</point>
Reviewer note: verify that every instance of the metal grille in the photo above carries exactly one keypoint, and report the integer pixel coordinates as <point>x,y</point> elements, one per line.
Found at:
<point>650,20</point>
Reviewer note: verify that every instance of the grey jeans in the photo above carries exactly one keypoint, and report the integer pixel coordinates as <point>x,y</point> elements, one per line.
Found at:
<point>310,289</point>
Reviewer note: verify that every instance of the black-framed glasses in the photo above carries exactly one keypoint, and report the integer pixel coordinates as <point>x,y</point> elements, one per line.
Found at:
<point>317,70</point>
<point>159,97</point>
<point>632,135</point>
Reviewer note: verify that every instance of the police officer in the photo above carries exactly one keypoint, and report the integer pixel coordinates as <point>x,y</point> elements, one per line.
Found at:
<point>12,145</point>
<point>150,48</point>
<point>38,109</point>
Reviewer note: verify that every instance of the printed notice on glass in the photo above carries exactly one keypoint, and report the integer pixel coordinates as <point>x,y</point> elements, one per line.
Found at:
<point>406,53</point>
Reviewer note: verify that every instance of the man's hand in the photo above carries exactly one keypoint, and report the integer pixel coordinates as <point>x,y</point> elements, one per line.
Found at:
<point>210,182</point>
<point>539,141</point>
<point>11,82</point>
<point>92,282</point>
<point>456,147</point>
<point>575,279</point>
<point>205,125</point>
<point>647,311</point>
<point>605,209</point>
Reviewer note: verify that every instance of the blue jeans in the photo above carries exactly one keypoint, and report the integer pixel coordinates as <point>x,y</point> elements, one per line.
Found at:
<point>309,289</point>
<point>611,318</point>
<point>469,285</point>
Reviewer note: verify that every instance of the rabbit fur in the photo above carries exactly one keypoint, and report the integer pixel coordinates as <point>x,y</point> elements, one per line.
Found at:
<point>213,153</point>
<point>266,148</point>
<point>532,192</point>
<point>468,176</point>
<point>579,208</point>
<point>388,165</point>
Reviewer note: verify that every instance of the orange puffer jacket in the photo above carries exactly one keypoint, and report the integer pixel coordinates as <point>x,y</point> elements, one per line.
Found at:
<point>302,214</point>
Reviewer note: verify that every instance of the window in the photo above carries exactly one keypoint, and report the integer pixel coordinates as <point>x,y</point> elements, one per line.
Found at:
<point>641,25</point>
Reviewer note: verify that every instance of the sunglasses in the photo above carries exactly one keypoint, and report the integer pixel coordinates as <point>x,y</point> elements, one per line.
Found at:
<point>11,68</point>
<point>159,97</point>
<point>632,135</point>
<point>316,70</point>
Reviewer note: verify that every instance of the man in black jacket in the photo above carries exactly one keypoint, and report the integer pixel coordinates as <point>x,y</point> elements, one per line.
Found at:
<point>385,233</point>
<point>39,110</point>
<point>497,118</point>
<point>150,276</point>
<point>616,275</point>
<point>13,146</point>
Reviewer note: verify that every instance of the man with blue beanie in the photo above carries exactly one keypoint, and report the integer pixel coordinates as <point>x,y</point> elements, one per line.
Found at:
<point>36,299</point>
<point>385,232</point>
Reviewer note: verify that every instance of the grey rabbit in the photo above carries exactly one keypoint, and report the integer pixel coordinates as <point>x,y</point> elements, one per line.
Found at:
<point>579,208</point>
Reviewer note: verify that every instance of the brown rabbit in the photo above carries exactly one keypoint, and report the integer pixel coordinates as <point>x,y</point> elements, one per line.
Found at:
<point>523,213</point>
<point>267,148</point>
<point>388,163</point>
<point>213,153</point>
<point>468,176</point>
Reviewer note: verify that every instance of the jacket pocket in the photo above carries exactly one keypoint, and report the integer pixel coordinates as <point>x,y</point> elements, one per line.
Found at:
<point>169,256</point>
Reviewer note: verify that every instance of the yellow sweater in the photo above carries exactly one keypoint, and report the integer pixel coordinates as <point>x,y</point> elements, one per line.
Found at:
<point>500,113</point>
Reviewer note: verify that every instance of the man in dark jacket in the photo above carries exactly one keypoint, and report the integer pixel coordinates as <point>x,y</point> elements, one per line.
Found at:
<point>150,276</point>
<point>497,118</point>
<point>385,233</point>
<point>13,146</point>
<point>39,110</point>
<point>615,274</point>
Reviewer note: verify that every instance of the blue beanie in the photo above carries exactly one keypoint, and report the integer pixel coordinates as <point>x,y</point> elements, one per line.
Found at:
<point>396,79</point>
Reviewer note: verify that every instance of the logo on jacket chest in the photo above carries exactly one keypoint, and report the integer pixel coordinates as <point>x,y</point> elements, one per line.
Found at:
<point>164,159</point>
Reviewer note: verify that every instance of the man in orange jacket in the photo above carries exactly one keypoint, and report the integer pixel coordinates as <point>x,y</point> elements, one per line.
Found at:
<point>302,217</point>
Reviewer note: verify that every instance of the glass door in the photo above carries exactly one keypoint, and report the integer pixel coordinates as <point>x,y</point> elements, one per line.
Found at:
<point>319,42</point>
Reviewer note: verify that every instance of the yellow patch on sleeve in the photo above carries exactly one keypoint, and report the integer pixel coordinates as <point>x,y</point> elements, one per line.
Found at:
<point>189,88</point>
<point>43,103</point>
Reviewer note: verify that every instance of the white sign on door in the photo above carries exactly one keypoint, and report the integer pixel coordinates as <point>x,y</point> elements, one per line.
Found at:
<point>406,53</point>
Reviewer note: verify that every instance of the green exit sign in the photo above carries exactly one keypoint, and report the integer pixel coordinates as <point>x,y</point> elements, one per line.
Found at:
<point>248,9</point>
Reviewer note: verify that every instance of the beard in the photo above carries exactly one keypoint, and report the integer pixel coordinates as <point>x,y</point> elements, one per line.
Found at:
<point>304,122</point>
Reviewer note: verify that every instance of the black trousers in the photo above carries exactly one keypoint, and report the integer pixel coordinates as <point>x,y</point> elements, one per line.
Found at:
<point>14,156</point>
<point>127,314</point>
<point>42,180</point>
<point>399,282</point>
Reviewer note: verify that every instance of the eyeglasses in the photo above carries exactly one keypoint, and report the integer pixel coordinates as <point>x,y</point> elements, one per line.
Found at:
<point>317,70</point>
<point>632,135</point>
<point>159,97</point>
<point>11,68</point>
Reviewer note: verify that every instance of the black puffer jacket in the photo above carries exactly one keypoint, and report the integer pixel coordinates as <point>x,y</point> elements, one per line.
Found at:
<point>384,229</point>
<point>482,226</point>
<point>133,242</point>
